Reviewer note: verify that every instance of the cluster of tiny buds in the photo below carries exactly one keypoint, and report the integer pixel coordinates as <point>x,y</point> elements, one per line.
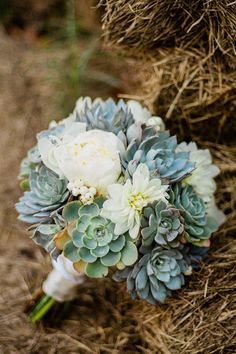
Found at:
<point>86,194</point>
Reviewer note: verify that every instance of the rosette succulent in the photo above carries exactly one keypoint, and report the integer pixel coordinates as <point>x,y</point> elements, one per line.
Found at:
<point>105,115</point>
<point>156,274</point>
<point>93,241</point>
<point>162,223</point>
<point>157,151</point>
<point>47,193</point>
<point>198,226</point>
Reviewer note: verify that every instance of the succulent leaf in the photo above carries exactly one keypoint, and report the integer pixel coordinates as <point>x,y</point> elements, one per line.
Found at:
<point>157,273</point>
<point>96,270</point>
<point>70,211</point>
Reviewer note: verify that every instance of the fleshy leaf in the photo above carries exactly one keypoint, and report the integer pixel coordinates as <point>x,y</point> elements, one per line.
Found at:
<point>61,238</point>
<point>71,252</point>
<point>70,211</point>
<point>96,270</point>
<point>130,254</point>
<point>111,259</point>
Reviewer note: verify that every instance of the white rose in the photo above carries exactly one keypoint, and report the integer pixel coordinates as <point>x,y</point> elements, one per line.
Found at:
<point>48,143</point>
<point>93,156</point>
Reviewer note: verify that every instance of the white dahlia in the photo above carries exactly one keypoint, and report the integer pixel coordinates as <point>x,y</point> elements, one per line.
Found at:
<point>126,202</point>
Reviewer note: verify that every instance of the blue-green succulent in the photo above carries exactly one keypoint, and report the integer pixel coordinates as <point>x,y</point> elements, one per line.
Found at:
<point>198,226</point>
<point>93,240</point>
<point>157,151</point>
<point>157,273</point>
<point>30,162</point>
<point>47,193</point>
<point>105,115</point>
<point>44,236</point>
<point>161,223</point>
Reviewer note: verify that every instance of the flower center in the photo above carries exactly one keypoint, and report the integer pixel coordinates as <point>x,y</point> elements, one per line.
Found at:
<point>137,201</point>
<point>99,233</point>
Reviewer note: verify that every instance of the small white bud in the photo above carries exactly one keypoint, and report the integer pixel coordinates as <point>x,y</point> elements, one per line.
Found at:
<point>83,199</point>
<point>89,196</point>
<point>75,191</point>
<point>78,183</point>
<point>92,190</point>
<point>83,190</point>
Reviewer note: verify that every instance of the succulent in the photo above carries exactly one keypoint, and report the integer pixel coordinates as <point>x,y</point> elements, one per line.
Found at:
<point>93,240</point>
<point>44,234</point>
<point>47,193</point>
<point>30,162</point>
<point>156,274</point>
<point>157,151</point>
<point>198,226</point>
<point>163,223</point>
<point>105,115</point>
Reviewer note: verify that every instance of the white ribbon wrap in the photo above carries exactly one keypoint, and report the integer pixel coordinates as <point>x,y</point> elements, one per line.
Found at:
<point>62,281</point>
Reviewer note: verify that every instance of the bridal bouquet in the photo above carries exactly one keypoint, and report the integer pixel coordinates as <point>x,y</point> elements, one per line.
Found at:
<point>108,187</point>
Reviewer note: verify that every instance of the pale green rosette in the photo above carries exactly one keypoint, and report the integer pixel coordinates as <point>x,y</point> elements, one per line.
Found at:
<point>47,193</point>
<point>93,241</point>
<point>161,223</point>
<point>198,226</point>
<point>156,274</point>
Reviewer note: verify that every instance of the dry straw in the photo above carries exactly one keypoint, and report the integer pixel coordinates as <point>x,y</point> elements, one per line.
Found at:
<point>151,24</point>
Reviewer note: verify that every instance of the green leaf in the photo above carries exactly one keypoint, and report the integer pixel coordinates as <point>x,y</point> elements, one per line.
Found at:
<point>70,211</point>
<point>118,244</point>
<point>129,254</point>
<point>99,201</point>
<point>24,184</point>
<point>111,259</point>
<point>91,210</point>
<point>71,252</point>
<point>48,229</point>
<point>86,255</point>
<point>96,270</point>
<point>100,251</point>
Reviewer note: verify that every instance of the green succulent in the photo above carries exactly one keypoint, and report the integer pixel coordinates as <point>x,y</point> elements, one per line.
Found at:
<point>158,151</point>
<point>44,236</point>
<point>93,240</point>
<point>105,115</point>
<point>156,274</point>
<point>198,226</point>
<point>47,193</point>
<point>162,223</point>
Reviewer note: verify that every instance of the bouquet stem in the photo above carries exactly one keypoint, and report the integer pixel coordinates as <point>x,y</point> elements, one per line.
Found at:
<point>42,307</point>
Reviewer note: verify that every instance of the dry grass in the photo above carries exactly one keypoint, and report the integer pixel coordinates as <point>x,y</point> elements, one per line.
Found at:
<point>189,91</point>
<point>150,24</point>
<point>199,319</point>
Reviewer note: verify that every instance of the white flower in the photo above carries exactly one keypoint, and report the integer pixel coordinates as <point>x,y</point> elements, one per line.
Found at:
<point>213,211</point>
<point>92,156</point>
<point>143,115</point>
<point>202,178</point>
<point>48,144</point>
<point>126,201</point>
